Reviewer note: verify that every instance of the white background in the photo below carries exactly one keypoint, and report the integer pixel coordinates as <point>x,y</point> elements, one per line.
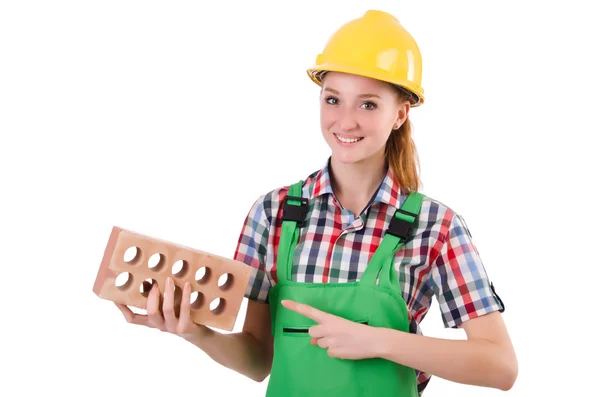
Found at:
<point>171,118</point>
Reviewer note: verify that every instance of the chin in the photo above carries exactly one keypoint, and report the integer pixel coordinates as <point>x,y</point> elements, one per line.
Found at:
<point>347,158</point>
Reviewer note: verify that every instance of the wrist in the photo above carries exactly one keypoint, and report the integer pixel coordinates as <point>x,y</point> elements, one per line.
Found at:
<point>198,334</point>
<point>383,342</point>
<point>379,342</point>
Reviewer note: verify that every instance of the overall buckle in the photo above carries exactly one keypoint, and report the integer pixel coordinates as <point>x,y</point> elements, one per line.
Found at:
<point>295,213</point>
<point>401,227</point>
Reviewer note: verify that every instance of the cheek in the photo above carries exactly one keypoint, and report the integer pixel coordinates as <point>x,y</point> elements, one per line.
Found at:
<point>387,121</point>
<point>376,125</point>
<point>327,117</point>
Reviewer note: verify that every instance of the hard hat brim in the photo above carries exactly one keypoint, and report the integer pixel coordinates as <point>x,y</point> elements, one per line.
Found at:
<point>317,71</point>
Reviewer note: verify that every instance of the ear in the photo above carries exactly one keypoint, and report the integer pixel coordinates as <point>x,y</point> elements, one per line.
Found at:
<point>402,114</point>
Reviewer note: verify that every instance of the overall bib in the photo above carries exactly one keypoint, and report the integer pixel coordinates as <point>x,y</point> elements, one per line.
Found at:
<point>302,369</point>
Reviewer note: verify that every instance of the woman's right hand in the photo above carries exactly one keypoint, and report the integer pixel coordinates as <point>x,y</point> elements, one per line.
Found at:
<point>168,317</point>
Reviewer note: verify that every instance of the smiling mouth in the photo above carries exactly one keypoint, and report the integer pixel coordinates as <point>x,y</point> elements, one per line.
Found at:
<point>345,140</point>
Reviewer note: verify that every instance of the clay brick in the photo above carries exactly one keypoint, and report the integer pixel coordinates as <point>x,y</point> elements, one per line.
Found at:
<point>144,248</point>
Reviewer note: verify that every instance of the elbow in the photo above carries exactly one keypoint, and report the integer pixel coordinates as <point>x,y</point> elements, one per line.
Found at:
<point>509,380</point>
<point>508,383</point>
<point>510,374</point>
<point>260,377</point>
<point>265,369</point>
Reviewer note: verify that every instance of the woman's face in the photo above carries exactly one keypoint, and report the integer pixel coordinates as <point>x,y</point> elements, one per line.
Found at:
<point>356,107</point>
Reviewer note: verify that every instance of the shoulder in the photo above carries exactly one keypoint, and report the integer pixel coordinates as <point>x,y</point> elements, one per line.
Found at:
<point>436,207</point>
<point>437,215</point>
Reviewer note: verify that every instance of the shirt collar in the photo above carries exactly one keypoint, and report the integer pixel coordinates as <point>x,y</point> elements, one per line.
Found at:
<point>388,192</point>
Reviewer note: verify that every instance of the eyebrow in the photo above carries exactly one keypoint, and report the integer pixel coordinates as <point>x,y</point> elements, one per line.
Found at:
<point>360,96</point>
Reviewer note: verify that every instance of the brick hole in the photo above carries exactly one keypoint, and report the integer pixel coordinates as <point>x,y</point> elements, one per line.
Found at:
<point>217,306</point>
<point>177,300</point>
<point>203,275</point>
<point>132,255</point>
<point>225,281</point>
<point>124,281</point>
<point>196,300</point>
<point>178,295</point>
<point>146,286</point>
<point>180,268</point>
<point>156,262</point>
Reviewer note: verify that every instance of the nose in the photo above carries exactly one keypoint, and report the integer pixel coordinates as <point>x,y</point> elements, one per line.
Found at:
<point>347,120</point>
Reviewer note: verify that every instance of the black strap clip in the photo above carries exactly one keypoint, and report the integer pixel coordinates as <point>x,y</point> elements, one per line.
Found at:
<point>296,213</point>
<point>401,228</point>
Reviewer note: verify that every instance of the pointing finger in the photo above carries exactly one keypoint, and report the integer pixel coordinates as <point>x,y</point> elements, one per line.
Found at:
<point>307,311</point>
<point>317,331</point>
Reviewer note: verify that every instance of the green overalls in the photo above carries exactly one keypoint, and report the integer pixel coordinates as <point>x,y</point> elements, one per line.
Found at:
<point>302,369</point>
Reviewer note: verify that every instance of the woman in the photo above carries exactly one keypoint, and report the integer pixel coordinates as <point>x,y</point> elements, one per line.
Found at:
<point>347,261</point>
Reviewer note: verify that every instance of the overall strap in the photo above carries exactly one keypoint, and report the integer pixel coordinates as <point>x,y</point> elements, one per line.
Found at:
<point>382,261</point>
<point>295,209</point>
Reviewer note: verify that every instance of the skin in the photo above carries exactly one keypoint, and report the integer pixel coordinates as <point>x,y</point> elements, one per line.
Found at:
<point>351,106</point>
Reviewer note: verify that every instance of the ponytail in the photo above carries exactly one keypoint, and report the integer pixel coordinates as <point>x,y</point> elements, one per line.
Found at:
<point>401,155</point>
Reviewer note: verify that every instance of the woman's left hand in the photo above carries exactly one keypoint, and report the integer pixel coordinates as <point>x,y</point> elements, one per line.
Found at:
<point>342,338</point>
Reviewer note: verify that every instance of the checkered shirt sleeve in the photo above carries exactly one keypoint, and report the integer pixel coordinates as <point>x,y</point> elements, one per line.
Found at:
<point>459,279</point>
<point>252,250</point>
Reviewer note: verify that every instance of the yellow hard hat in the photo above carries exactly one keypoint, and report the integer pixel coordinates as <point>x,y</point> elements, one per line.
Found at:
<point>375,46</point>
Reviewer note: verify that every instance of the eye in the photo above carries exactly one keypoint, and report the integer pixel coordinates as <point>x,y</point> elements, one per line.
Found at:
<point>369,105</point>
<point>331,100</point>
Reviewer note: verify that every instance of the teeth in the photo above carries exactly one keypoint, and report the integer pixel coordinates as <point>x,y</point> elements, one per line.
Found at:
<point>347,140</point>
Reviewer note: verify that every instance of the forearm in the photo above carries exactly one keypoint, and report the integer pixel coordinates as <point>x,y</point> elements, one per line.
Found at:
<point>240,352</point>
<point>474,362</point>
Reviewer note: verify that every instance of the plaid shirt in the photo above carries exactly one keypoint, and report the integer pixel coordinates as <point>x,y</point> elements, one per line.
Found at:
<point>334,247</point>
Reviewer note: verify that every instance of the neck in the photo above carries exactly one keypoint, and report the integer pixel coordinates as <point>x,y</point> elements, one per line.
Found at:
<point>354,184</point>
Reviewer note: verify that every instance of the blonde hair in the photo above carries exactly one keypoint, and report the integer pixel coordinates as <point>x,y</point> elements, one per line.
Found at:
<point>401,153</point>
